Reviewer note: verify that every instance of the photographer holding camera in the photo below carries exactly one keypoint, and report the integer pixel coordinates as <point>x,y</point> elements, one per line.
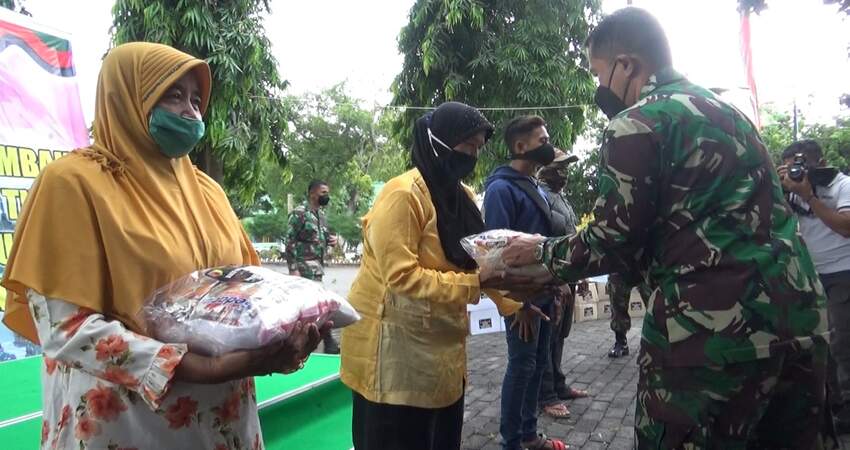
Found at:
<point>820,196</point>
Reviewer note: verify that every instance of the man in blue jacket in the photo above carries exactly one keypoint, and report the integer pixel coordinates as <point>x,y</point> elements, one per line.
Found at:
<point>514,201</point>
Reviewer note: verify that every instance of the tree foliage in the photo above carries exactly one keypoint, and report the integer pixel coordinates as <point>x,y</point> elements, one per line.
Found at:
<point>833,138</point>
<point>582,175</point>
<point>15,5</point>
<point>335,139</point>
<point>246,120</point>
<point>498,53</point>
<point>758,6</point>
<point>751,6</point>
<point>268,226</point>
<point>843,5</point>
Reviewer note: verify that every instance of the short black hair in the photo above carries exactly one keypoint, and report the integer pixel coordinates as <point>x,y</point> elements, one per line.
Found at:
<point>808,147</point>
<point>519,127</point>
<point>631,30</point>
<point>314,184</point>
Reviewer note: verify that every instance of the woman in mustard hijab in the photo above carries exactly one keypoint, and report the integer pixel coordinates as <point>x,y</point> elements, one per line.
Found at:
<point>102,229</point>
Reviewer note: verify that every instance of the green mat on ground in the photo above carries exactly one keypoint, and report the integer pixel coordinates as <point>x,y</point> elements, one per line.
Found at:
<point>21,391</point>
<point>319,418</point>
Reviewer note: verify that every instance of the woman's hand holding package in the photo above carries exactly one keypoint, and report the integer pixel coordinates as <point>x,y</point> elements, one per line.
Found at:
<point>286,356</point>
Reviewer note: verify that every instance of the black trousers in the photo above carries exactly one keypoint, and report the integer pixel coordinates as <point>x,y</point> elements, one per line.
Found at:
<point>379,426</point>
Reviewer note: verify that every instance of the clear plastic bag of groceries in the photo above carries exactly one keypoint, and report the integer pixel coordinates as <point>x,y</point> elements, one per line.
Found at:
<point>486,249</point>
<point>223,309</point>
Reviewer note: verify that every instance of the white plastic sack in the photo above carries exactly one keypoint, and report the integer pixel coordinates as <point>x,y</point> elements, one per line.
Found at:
<point>223,309</point>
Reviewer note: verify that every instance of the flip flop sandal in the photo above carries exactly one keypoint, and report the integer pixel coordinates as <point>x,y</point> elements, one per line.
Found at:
<point>558,411</point>
<point>573,394</point>
<point>544,443</point>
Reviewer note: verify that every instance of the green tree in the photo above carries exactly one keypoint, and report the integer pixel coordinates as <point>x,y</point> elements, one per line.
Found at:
<point>267,227</point>
<point>246,120</point>
<point>335,139</point>
<point>582,175</point>
<point>498,53</point>
<point>758,6</point>
<point>778,132</point>
<point>835,141</point>
<point>15,5</point>
<point>833,138</point>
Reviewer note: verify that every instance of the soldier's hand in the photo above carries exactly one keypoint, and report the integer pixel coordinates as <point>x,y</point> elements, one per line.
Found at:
<point>520,251</point>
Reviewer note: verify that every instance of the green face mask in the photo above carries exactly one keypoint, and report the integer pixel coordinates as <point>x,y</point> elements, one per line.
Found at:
<point>175,134</point>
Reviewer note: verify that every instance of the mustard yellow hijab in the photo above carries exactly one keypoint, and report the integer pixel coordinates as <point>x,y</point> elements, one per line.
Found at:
<point>107,225</point>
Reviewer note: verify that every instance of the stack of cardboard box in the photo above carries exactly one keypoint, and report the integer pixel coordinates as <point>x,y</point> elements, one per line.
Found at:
<point>587,302</point>
<point>593,301</point>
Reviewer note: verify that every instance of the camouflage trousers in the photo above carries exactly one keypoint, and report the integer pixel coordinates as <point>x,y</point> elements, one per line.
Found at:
<point>621,322</point>
<point>775,403</point>
<point>621,292</point>
<point>312,270</point>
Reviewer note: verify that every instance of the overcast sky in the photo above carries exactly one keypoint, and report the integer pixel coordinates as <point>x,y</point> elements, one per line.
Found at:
<point>799,46</point>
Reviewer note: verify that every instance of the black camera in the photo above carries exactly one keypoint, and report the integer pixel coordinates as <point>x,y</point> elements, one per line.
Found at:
<point>797,169</point>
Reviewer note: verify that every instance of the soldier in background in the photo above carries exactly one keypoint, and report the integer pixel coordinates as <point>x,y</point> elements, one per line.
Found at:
<point>621,292</point>
<point>307,242</point>
<point>621,322</point>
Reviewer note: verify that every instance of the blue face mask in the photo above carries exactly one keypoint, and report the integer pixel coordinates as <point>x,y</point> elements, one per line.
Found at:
<point>175,135</point>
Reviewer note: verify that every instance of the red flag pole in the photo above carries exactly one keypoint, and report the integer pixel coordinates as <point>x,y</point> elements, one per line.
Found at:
<point>747,54</point>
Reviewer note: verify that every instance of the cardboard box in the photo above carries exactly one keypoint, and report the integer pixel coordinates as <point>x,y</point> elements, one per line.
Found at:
<point>586,311</point>
<point>604,309</point>
<point>602,292</point>
<point>485,321</point>
<point>586,295</point>
<point>636,308</point>
<point>484,303</point>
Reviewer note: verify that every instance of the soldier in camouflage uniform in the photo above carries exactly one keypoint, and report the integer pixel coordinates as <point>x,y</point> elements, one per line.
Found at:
<point>621,292</point>
<point>733,349</point>
<point>308,240</point>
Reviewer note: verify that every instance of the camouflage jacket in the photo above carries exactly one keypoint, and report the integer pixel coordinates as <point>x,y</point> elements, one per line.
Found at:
<point>688,195</point>
<point>307,241</point>
<point>563,214</point>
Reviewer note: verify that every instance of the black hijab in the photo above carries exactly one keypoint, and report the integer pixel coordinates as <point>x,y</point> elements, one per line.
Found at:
<point>457,215</point>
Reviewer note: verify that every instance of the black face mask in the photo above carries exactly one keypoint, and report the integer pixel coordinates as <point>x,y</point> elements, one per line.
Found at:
<point>324,200</point>
<point>457,165</point>
<point>543,155</point>
<point>555,183</point>
<point>610,103</point>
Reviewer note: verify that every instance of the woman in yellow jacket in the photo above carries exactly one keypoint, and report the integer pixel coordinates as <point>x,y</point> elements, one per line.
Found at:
<point>406,359</point>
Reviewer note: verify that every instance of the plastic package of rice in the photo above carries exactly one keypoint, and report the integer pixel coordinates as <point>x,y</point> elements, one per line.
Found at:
<point>486,249</point>
<point>223,309</point>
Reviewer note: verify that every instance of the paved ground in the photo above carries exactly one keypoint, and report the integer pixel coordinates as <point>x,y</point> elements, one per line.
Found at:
<point>603,421</point>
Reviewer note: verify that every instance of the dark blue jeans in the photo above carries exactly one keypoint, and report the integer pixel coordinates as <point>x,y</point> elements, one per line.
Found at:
<point>521,387</point>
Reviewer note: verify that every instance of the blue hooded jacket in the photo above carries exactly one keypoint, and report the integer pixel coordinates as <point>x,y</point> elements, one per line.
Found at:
<point>507,206</point>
